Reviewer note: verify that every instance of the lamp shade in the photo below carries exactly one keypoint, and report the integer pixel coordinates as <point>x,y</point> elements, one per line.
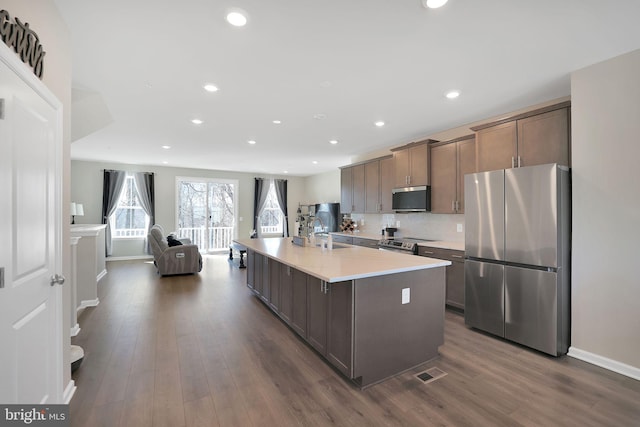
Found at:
<point>73,209</point>
<point>79,209</point>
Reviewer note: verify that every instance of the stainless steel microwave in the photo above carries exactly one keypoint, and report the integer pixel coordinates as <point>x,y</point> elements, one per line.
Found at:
<point>411,199</point>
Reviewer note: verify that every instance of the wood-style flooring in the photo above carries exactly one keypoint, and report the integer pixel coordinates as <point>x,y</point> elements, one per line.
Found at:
<point>200,350</point>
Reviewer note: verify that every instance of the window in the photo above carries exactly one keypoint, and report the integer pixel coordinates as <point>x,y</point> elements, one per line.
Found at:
<point>271,217</point>
<point>129,220</point>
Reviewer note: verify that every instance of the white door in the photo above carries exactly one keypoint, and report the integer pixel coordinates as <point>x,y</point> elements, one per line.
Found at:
<point>31,346</point>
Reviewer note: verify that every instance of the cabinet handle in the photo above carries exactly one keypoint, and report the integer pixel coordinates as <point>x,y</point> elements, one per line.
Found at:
<point>457,205</point>
<point>453,205</point>
<point>456,256</point>
<point>513,162</point>
<point>519,164</point>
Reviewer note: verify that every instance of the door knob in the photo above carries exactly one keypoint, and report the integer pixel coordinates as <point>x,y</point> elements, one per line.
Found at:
<point>57,279</point>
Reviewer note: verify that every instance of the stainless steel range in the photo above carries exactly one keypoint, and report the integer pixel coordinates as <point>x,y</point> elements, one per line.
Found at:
<point>407,245</point>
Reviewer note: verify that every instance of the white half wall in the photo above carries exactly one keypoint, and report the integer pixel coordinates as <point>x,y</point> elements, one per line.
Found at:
<point>606,212</point>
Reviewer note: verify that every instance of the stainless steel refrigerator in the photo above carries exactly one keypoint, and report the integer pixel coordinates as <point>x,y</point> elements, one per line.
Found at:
<point>517,249</point>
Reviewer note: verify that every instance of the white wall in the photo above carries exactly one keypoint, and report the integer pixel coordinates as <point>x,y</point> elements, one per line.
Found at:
<point>86,188</point>
<point>322,188</point>
<point>43,18</point>
<point>606,213</point>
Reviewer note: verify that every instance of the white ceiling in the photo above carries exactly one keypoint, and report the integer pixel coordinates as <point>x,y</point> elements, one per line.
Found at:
<point>139,67</point>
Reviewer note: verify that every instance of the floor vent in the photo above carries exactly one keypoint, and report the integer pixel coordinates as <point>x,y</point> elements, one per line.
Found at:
<point>431,375</point>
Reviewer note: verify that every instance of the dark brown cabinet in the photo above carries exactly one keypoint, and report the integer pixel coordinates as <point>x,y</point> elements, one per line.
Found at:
<point>352,189</point>
<point>411,164</point>
<point>368,243</point>
<point>450,162</point>
<point>337,238</point>
<point>378,185</point>
<point>299,302</point>
<point>320,312</point>
<point>454,294</point>
<point>534,138</point>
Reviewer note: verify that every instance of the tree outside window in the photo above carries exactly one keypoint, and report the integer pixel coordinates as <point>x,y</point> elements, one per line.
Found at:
<point>271,218</point>
<point>129,219</point>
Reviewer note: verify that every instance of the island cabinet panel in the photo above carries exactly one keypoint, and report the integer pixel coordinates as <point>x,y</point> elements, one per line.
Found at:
<point>317,314</point>
<point>285,308</point>
<point>257,272</point>
<point>299,302</point>
<point>265,288</point>
<point>274,284</point>
<point>251,268</point>
<point>389,336</point>
<point>340,326</point>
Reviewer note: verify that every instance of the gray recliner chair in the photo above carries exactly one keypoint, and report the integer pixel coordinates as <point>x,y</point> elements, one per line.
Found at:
<point>171,260</point>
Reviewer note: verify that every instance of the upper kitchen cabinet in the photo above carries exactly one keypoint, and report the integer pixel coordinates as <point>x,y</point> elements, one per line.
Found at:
<point>538,137</point>
<point>411,164</point>
<point>352,189</point>
<point>450,161</point>
<point>378,185</point>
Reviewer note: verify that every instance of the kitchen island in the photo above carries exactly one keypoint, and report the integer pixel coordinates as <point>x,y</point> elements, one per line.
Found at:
<point>371,314</point>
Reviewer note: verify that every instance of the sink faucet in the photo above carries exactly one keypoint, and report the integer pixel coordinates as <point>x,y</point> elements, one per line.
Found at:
<point>317,218</point>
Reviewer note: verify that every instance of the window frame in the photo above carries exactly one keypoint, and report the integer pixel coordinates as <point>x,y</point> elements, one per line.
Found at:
<point>129,181</point>
<point>274,196</point>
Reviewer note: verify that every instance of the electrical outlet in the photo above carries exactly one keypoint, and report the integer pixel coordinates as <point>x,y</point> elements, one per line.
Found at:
<point>459,228</point>
<point>406,295</point>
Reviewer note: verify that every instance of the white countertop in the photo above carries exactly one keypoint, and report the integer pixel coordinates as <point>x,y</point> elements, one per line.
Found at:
<point>345,262</point>
<point>444,244</point>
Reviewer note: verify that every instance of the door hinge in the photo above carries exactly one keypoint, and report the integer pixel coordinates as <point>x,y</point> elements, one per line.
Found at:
<point>1,108</point>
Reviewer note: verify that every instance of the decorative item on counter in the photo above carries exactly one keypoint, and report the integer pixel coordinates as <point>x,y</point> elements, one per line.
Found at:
<point>348,225</point>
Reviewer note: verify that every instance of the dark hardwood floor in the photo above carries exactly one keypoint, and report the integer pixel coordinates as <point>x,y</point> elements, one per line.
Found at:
<point>201,350</point>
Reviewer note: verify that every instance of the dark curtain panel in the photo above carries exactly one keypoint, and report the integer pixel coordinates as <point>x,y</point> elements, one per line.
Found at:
<point>259,198</point>
<point>111,189</point>
<point>146,195</point>
<point>281,192</point>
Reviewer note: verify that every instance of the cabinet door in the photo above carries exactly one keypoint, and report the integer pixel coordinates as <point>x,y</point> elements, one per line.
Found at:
<point>401,167</point>
<point>340,318</point>
<point>266,287</point>
<point>372,187</point>
<point>286,293</point>
<point>466,165</point>
<point>317,314</point>
<point>544,139</point>
<point>346,191</point>
<point>443,178</point>
<point>299,302</point>
<point>368,243</point>
<point>257,272</point>
<point>419,165</point>
<point>342,239</point>
<point>455,285</point>
<point>274,284</point>
<point>251,268</point>
<point>496,147</point>
<point>386,184</point>
<point>357,175</point>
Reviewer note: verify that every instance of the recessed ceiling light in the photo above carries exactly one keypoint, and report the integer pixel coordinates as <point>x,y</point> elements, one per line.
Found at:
<point>325,84</point>
<point>165,162</point>
<point>276,122</point>
<point>452,94</point>
<point>319,116</point>
<point>379,123</point>
<point>286,171</point>
<point>333,142</point>
<point>197,121</point>
<point>433,4</point>
<point>166,147</point>
<point>315,162</point>
<point>210,88</point>
<point>251,141</point>
<point>237,18</point>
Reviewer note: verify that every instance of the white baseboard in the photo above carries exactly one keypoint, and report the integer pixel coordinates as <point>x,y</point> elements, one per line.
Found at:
<point>75,330</point>
<point>129,258</point>
<point>606,363</point>
<point>88,303</point>
<point>101,275</point>
<point>69,391</point>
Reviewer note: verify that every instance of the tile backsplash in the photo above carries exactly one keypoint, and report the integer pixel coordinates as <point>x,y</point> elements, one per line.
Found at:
<point>424,225</point>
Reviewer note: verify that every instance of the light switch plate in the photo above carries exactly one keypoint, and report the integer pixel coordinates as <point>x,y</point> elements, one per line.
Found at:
<point>406,295</point>
<point>459,228</point>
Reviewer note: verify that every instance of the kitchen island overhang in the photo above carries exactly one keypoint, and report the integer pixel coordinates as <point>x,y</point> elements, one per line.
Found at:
<point>371,314</point>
